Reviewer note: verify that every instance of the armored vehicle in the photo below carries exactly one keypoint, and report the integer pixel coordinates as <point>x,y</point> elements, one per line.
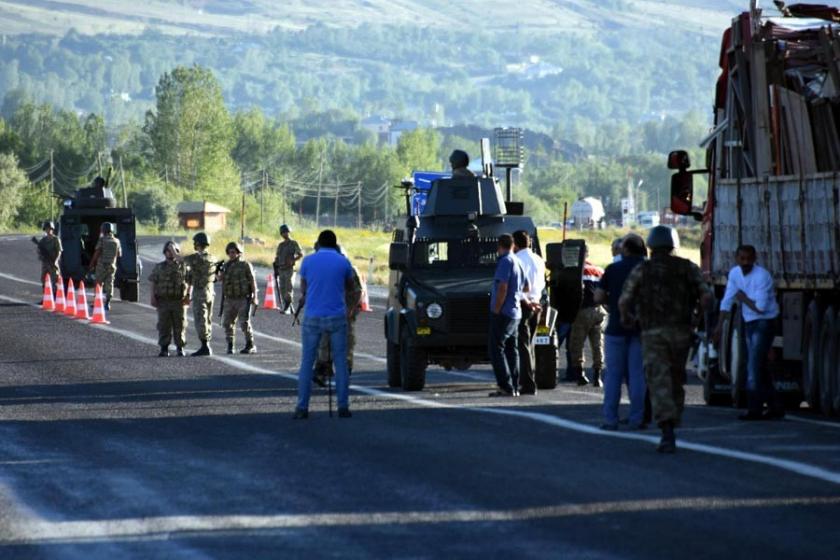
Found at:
<point>79,227</point>
<point>442,264</point>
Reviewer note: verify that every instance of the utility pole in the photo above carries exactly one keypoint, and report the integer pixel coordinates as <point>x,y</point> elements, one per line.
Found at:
<point>99,163</point>
<point>387,203</point>
<point>242,219</point>
<point>125,192</point>
<point>262,196</point>
<point>359,202</point>
<point>284,202</point>
<point>335,206</point>
<point>52,186</point>
<point>318,202</point>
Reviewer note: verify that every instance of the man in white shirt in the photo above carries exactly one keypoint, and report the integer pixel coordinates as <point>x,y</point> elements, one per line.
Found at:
<point>534,267</point>
<point>752,287</point>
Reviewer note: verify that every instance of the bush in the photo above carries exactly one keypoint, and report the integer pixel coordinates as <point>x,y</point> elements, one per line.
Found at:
<point>153,206</point>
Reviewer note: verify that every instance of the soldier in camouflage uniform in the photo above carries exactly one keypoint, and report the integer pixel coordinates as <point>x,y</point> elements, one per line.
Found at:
<point>104,262</point>
<point>288,253</point>
<point>202,269</point>
<point>240,290</point>
<point>661,295</point>
<point>352,298</point>
<point>169,297</point>
<point>49,252</point>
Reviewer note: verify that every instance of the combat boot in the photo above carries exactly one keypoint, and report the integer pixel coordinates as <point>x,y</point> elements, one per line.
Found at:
<point>596,378</point>
<point>668,443</point>
<point>249,348</point>
<point>204,350</point>
<point>230,346</point>
<point>164,351</point>
<point>180,351</point>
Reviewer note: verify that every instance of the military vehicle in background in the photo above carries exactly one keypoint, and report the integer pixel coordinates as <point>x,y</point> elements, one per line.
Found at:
<point>79,227</point>
<point>442,262</point>
<point>772,162</point>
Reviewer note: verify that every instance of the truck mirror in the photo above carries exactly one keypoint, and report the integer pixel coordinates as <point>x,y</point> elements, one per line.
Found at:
<point>682,193</point>
<point>398,256</point>
<point>678,159</point>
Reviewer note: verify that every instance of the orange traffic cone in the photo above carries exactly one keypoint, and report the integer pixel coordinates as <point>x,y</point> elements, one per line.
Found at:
<point>365,304</point>
<point>48,303</point>
<point>270,299</point>
<point>59,295</point>
<point>99,308</point>
<point>70,300</point>
<point>81,303</point>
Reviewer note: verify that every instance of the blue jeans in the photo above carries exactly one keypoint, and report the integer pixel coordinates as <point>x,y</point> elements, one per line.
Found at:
<point>563,332</point>
<point>504,354</point>
<point>624,363</point>
<point>313,328</point>
<point>759,335</point>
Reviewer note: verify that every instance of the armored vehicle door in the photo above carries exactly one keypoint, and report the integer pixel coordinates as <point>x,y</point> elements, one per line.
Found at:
<point>565,264</point>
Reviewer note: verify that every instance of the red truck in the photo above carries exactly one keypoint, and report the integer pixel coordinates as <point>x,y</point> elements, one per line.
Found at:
<point>773,167</point>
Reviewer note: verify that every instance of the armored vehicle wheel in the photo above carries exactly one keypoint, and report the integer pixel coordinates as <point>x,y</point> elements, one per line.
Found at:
<point>712,397</point>
<point>546,366</point>
<point>129,292</point>
<point>392,356</point>
<point>413,364</point>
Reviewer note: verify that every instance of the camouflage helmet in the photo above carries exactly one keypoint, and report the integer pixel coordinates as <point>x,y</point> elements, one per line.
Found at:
<point>285,229</point>
<point>202,239</point>
<point>171,245</point>
<point>106,227</point>
<point>47,224</point>
<point>663,237</point>
<point>235,246</point>
<point>459,158</point>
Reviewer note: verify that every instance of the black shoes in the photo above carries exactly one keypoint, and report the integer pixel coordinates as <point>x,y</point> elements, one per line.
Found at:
<point>107,303</point>
<point>300,414</point>
<point>230,347</point>
<point>751,416</point>
<point>774,415</point>
<point>344,413</point>
<point>504,393</point>
<point>203,351</point>
<point>668,443</point>
<point>582,380</point>
<point>180,351</point>
<point>596,378</point>
<point>164,352</point>
<point>249,348</point>
<point>609,427</point>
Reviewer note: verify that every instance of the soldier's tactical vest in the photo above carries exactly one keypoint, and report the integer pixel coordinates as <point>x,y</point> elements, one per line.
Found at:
<point>50,247</point>
<point>668,296</point>
<point>170,281</point>
<point>110,248</point>
<point>237,280</point>
<point>202,271</point>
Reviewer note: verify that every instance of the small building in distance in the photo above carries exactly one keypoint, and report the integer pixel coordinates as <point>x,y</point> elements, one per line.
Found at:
<point>202,215</point>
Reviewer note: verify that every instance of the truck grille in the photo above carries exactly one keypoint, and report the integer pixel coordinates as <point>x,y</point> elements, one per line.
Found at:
<point>469,315</point>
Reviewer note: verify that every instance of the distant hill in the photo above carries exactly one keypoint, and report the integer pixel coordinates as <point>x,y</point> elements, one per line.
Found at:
<point>221,17</point>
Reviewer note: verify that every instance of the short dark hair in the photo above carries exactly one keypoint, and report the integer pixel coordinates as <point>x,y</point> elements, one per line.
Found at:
<point>522,239</point>
<point>634,245</point>
<point>506,241</point>
<point>327,239</point>
<point>749,249</point>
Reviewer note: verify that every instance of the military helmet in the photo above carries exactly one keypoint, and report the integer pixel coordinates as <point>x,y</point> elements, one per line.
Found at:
<point>235,246</point>
<point>47,224</point>
<point>171,245</point>
<point>106,227</point>
<point>663,237</point>
<point>459,158</point>
<point>285,229</point>
<point>201,238</point>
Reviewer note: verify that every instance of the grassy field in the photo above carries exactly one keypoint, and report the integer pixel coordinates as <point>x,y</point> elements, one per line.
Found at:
<point>369,249</point>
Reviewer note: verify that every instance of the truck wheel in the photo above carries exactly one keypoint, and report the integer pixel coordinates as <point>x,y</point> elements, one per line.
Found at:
<point>710,396</point>
<point>827,362</point>
<point>835,366</point>
<point>413,364</point>
<point>129,292</point>
<point>811,357</point>
<point>738,361</point>
<point>392,355</point>
<point>724,352</point>
<point>545,371</point>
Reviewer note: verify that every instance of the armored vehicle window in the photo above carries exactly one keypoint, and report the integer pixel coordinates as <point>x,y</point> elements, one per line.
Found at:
<point>451,254</point>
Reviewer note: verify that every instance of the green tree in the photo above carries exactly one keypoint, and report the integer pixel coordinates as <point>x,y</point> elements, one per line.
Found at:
<point>419,150</point>
<point>12,182</point>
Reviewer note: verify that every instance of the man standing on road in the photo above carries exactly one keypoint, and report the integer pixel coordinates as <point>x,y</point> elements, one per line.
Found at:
<point>49,252</point>
<point>460,161</point>
<point>288,253</point>
<point>588,325</point>
<point>752,287</point>
<point>662,295</point>
<point>169,297</point>
<point>623,345</point>
<point>534,267</point>
<point>509,283</point>
<point>239,286</point>
<point>202,269</point>
<point>104,261</point>
<point>324,277</point>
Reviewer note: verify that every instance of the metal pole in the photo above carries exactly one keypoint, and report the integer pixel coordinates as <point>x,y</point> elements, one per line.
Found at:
<point>507,179</point>
<point>242,219</point>
<point>565,218</point>
<point>284,202</point>
<point>318,202</point>
<point>262,196</point>
<point>335,207</point>
<point>125,192</point>
<point>359,215</point>
<point>52,187</point>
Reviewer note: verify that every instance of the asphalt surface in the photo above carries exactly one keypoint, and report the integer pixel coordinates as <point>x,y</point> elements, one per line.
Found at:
<point>107,451</point>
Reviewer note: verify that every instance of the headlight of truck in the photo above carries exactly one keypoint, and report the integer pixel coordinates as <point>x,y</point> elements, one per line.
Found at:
<point>434,311</point>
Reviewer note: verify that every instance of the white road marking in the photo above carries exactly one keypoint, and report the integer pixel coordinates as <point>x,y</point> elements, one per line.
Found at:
<point>153,528</point>
<point>804,469</point>
<point>835,425</point>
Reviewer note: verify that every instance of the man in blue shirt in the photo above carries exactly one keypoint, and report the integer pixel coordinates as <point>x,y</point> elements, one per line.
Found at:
<point>505,312</point>
<point>752,286</point>
<point>323,278</point>
<point>623,345</point>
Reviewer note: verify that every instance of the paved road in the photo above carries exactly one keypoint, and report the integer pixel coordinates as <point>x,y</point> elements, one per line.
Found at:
<point>107,451</point>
